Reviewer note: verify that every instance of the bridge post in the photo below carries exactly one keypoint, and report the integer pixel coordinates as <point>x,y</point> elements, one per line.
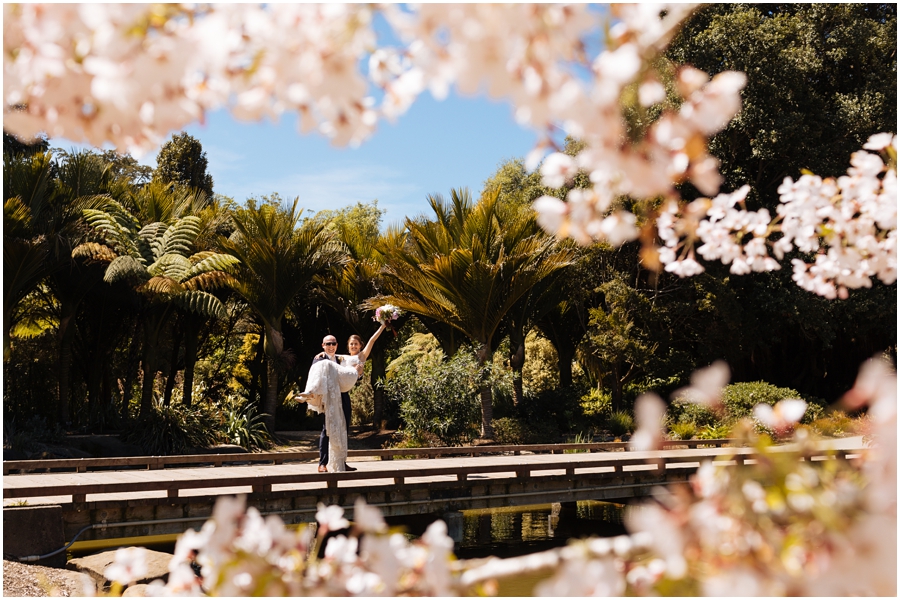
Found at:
<point>454,521</point>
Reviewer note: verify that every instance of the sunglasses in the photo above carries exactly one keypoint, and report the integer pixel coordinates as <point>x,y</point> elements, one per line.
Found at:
<point>330,344</point>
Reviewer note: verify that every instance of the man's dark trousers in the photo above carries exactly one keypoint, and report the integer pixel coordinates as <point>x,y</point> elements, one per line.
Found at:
<point>323,437</point>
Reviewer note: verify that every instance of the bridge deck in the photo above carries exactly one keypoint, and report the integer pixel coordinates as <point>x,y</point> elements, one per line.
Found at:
<point>95,486</point>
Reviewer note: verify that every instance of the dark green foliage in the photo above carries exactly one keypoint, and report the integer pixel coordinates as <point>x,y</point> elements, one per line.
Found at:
<point>552,413</point>
<point>682,411</point>
<point>620,423</point>
<point>182,160</point>
<point>13,145</point>
<point>173,429</point>
<point>29,434</point>
<point>438,399</point>
<point>740,398</point>
<point>244,427</point>
<point>821,78</point>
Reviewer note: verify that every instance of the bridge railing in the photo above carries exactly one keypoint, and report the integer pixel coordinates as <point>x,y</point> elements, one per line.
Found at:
<point>82,465</point>
<point>398,474</point>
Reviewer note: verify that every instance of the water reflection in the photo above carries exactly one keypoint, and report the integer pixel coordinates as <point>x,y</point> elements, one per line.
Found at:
<point>514,531</point>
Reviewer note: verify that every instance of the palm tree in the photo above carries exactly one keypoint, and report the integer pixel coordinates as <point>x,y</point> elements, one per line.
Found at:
<point>42,217</point>
<point>467,268</point>
<point>279,258</point>
<point>156,260</point>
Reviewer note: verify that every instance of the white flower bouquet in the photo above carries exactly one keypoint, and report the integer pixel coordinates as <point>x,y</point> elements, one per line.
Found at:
<point>387,313</point>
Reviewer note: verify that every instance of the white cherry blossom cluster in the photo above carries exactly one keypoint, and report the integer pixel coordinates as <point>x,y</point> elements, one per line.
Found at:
<point>722,227</point>
<point>848,223</point>
<point>131,73</point>
<point>240,553</point>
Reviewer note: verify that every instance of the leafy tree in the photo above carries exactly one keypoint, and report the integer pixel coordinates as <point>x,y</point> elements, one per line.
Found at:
<point>182,160</point>
<point>14,146</point>
<point>821,78</point>
<point>280,257</point>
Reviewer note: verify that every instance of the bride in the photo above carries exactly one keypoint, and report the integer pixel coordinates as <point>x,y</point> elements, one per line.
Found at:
<point>327,379</point>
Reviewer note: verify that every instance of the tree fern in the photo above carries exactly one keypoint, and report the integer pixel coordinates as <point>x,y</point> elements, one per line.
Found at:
<point>210,281</point>
<point>212,262</point>
<point>94,251</point>
<point>174,266</point>
<point>161,286</point>
<point>125,267</point>
<point>152,234</point>
<point>200,302</point>
<point>179,237</point>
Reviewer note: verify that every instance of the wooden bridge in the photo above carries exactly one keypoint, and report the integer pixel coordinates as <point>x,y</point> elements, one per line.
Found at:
<point>141,496</point>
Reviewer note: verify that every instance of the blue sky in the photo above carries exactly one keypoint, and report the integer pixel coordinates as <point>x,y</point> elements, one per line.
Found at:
<point>435,146</point>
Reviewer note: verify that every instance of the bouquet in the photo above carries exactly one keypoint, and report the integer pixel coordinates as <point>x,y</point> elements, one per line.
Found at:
<point>387,313</point>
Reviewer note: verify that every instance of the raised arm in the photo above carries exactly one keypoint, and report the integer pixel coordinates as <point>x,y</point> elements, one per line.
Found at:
<point>364,353</point>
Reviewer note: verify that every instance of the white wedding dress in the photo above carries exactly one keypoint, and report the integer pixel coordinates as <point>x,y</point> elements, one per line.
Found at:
<point>326,381</point>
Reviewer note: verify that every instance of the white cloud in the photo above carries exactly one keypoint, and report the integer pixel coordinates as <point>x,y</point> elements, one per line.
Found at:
<point>336,187</point>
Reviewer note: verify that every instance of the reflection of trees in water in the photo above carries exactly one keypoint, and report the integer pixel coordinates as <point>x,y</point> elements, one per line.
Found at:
<point>548,524</point>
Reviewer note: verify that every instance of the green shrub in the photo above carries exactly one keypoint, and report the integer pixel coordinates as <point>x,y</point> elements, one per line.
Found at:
<point>836,424</point>
<point>30,434</point>
<point>714,432</point>
<point>683,431</point>
<point>683,411</point>
<point>362,399</point>
<point>596,405</point>
<point>172,429</point>
<point>510,430</point>
<point>740,398</point>
<point>243,427</point>
<point>620,423</point>
<point>438,399</point>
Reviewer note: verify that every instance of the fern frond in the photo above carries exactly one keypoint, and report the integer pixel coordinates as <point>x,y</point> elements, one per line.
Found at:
<point>214,262</point>
<point>152,235</point>
<point>174,266</point>
<point>94,252</point>
<point>125,267</point>
<point>197,257</point>
<point>161,286</point>
<point>202,303</point>
<point>180,236</point>
<point>210,281</point>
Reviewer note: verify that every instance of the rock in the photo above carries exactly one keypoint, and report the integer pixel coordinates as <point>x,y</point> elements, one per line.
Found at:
<point>139,590</point>
<point>96,564</point>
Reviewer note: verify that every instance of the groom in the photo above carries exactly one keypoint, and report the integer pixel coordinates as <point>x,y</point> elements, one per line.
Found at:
<point>329,344</point>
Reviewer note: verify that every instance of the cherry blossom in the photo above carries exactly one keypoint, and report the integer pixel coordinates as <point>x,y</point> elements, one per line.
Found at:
<point>649,411</point>
<point>706,385</point>
<point>128,566</point>
<point>783,416</point>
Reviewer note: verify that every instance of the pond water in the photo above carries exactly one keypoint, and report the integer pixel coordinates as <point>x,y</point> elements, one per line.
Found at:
<point>502,532</point>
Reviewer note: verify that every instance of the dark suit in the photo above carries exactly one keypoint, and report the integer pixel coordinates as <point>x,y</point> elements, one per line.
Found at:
<point>345,406</point>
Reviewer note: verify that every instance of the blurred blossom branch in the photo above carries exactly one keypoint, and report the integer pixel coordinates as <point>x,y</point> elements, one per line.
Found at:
<point>781,524</point>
